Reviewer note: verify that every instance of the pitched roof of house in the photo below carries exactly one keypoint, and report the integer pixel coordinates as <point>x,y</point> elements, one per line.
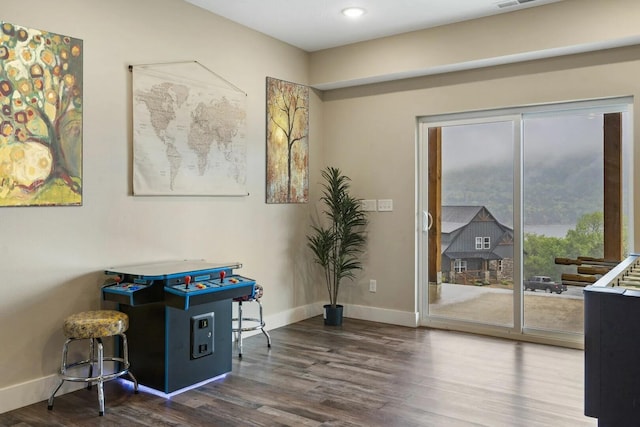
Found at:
<point>455,217</point>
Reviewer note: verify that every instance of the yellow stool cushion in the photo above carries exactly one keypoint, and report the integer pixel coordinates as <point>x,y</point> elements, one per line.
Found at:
<point>95,324</point>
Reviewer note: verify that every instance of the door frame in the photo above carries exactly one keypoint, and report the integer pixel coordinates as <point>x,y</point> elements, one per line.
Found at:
<point>424,200</point>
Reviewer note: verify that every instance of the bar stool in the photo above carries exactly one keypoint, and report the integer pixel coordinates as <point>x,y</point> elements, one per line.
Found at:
<point>94,326</point>
<point>255,323</point>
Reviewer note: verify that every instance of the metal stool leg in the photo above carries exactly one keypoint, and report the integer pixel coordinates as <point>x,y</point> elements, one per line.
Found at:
<point>240,329</point>
<point>63,369</point>
<point>125,354</point>
<point>92,360</point>
<point>100,376</point>
<point>50,401</point>
<point>262,324</point>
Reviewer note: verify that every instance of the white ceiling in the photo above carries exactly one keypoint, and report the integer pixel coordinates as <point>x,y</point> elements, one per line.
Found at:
<point>318,24</point>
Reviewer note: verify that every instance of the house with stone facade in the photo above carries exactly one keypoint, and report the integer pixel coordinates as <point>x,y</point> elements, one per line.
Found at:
<point>476,247</point>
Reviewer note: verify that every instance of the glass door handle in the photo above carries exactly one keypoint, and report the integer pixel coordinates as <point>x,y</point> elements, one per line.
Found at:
<point>427,221</point>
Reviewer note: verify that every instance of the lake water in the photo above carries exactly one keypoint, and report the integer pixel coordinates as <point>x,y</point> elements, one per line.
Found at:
<point>553,230</point>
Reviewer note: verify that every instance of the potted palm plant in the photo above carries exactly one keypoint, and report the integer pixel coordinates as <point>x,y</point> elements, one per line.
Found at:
<point>339,239</point>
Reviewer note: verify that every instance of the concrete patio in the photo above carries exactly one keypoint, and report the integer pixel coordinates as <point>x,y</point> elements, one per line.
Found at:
<point>492,305</point>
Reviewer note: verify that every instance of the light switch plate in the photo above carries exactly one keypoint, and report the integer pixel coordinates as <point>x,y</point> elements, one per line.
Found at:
<point>369,205</point>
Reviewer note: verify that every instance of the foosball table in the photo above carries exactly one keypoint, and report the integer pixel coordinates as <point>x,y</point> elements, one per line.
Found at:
<point>612,352</point>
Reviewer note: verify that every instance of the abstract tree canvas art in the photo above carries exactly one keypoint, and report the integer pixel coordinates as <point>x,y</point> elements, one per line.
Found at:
<point>287,142</point>
<point>40,118</point>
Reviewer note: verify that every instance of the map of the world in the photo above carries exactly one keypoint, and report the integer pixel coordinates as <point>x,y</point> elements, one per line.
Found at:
<point>188,132</point>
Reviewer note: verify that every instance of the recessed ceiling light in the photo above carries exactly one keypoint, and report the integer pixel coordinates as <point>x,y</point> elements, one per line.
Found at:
<point>353,12</point>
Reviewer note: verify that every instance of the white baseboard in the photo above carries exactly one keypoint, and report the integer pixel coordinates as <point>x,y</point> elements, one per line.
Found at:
<point>292,316</point>
<point>382,315</point>
<point>34,391</point>
<point>285,318</point>
<point>39,389</point>
<point>373,314</point>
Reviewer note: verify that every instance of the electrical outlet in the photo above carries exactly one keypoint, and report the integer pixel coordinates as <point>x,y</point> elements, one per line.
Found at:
<point>385,205</point>
<point>372,285</point>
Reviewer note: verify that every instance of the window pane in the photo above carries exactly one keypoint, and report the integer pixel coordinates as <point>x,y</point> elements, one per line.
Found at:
<point>477,209</point>
<point>563,214</point>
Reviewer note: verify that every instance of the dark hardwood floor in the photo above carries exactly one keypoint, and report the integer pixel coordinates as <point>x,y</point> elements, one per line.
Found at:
<point>360,374</point>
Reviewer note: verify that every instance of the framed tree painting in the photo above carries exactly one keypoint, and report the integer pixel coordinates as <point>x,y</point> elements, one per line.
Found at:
<point>40,117</point>
<point>287,142</point>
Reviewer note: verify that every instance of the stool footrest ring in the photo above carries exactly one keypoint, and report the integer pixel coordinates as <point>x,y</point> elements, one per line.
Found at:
<point>259,324</point>
<point>105,377</point>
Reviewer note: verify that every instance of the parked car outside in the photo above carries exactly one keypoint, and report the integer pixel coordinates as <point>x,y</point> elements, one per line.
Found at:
<point>544,283</point>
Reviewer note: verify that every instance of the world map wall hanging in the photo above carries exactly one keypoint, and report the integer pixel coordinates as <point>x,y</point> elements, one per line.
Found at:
<point>40,117</point>
<point>189,136</point>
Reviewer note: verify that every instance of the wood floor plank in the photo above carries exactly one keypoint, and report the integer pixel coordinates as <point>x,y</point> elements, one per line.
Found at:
<point>359,374</point>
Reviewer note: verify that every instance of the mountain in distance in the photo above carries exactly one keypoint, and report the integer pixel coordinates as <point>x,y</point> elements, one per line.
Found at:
<point>555,191</point>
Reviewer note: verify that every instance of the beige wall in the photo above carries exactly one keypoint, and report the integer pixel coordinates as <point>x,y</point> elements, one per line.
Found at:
<point>52,258</point>
<point>380,120</point>
<point>370,130</point>
<point>549,30</point>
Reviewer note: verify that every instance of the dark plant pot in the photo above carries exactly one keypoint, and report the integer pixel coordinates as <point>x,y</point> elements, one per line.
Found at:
<point>333,315</point>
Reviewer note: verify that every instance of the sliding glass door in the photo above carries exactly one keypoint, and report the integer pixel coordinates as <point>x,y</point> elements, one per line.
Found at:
<point>563,191</point>
<point>511,204</point>
<point>475,222</point>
